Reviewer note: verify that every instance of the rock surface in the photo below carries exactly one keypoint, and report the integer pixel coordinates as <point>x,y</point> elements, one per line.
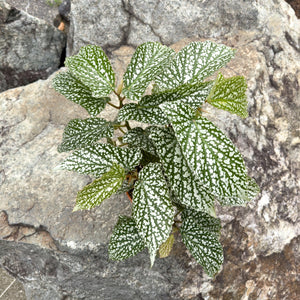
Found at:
<point>30,48</point>
<point>65,255</point>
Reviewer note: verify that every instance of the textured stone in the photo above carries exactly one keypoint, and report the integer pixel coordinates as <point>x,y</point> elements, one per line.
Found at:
<point>30,48</point>
<point>261,240</point>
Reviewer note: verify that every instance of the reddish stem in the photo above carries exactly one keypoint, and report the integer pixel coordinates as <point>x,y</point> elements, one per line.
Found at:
<point>129,197</point>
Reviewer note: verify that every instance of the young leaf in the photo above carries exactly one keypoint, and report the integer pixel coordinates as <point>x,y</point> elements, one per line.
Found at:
<point>97,159</point>
<point>203,245</point>
<point>92,67</point>
<point>211,155</point>
<point>144,66</point>
<point>187,187</point>
<point>125,240</point>
<point>229,94</point>
<point>100,189</point>
<point>152,208</point>
<point>203,220</point>
<point>84,132</point>
<point>166,247</point>
<point>193,63</point>
<point>139,138</point>
<point>74,90</point>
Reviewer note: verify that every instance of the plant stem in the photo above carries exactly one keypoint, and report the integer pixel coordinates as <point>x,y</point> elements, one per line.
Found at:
<point>117,107</point>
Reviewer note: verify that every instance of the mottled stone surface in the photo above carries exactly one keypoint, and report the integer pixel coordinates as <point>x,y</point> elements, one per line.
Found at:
<point>261,241</point>
<point>30,48</point>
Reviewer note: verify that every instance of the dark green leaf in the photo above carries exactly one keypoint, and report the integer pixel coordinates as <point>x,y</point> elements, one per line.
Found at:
<point>100,189</point>
<point>84,132</point>
<point>139,138</point>
<point>97,159</point>
<point>193,63</point>
<point>211,155</point>
<point>203,245</point>
<point>203,220</point>
<point>92,67</point>
<point>188,188</point>
<point>125,240</point>
<point>229,94</point>
<point>152,208</point>
<point>144,66</point>
<point>73,89</point>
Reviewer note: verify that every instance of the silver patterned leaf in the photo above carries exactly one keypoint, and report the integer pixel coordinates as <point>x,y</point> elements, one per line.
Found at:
<point>145,63</point>
<point>230,94</point>
<point>74,90</point>
<point>92,67</point>
<point>152,208</point>
<point>203,220</point>
<point>93,194</point>
<point>203,245</point>
<point>139,138</point>
<point>188,188</point>
<point>125,240</point>
<point>210,154</point>
<point>194,63</point>
<point>97,159</point>
<point>79,133</point>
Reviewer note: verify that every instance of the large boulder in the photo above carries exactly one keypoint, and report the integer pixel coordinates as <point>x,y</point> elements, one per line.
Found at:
<point>30,48</point>
<point>58,253</point>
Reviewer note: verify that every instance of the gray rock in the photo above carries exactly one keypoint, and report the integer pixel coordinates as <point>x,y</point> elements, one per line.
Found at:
<point>30,49</point>
<point>65,255</point>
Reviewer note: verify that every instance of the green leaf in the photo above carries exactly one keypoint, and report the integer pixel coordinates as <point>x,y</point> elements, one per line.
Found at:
<point>250,193</point>
<point>187,187</point>
<point>152,208</point>
<point>203,245</point>
<point>84,132</point>
<point>193,63</point>
<point>74,90</point>
<point>92,67</point>
<point>97,159</point>
<point>145,64</point>
<point>229,94</point>
<point>203,220</point>
<point>142,112</point>
<point>125,240</point>
<point>139,138</point>
<point>166,247</point>
<point>100,189</point>
<point>211,155</point>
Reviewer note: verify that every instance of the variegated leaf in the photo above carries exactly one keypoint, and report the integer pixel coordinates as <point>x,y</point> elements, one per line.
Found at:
<point>84,132</point>
<point>143,67</point>
<point>230,94</point>
<point>74,90</point>
<point>211,155</point>
<point>125,240</point>
<point>203,220</point>
<point>100,189</point>
<point>92,67</point>
<point>142,112</point>
<point>97,159</point>
<point>166,247</point>
<point>193,63</point>
<point>203,245</point>
<point>187,187</point>
<point>152,208</point>
<point>139,138</point>
<point>251,193</point>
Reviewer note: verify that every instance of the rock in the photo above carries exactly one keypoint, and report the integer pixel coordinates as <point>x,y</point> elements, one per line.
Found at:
<point>30,49</point>
<point>261,241</point>
<point>64,9</point>
<point>37,8</point>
